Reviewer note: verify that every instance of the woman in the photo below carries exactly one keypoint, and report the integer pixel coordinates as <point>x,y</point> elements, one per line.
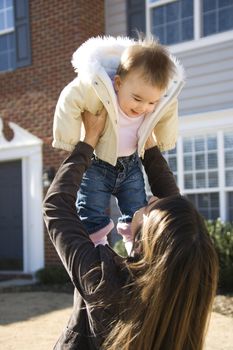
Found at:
<point>159,299</point>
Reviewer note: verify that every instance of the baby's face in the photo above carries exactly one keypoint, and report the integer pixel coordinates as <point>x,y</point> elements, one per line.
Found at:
<point>135,96</point>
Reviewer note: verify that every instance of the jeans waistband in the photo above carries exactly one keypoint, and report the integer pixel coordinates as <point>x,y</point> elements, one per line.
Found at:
<point>125,159</point>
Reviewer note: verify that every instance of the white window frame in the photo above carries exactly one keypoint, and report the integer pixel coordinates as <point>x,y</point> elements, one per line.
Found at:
<point>198,41</point>
<point>199,124</point>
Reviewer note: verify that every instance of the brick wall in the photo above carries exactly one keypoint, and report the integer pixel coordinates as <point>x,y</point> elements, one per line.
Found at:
<point>28,95</point>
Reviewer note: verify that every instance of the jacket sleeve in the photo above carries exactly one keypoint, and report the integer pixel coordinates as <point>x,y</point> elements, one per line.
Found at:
<point>166,130</point>
<point>67,122</point>
<point>160,177</point>
<point>85,263</point>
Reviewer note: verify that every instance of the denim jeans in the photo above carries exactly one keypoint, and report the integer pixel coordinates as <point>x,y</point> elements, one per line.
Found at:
<point>101,180</point>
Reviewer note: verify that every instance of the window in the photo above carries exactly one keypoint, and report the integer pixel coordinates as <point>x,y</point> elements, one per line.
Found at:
<point>14,34</point>
<point>230,206</point>
<point>217,16</point>
<point>177,21</point>
<point>228,155</point>
<point>7,50</point>
<point>173,23</point>
<point>207,204</point>
<point>171,158</point>
<point>200,162</point>
<point>203,167</point>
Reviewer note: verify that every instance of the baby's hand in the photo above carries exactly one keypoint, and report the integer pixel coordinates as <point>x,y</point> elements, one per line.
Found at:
<point>94,126</point>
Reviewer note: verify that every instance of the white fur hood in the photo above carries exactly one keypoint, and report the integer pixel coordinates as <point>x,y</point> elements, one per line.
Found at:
<point>104,53</point>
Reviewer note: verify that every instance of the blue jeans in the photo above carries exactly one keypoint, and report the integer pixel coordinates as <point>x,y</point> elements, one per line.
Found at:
<point>101,180</point>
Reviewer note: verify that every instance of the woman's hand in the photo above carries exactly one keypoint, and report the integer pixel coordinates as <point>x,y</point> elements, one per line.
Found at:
<point>94,126</point>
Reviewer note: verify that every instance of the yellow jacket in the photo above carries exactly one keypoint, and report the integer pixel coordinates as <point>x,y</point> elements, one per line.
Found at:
<point>96,61</point>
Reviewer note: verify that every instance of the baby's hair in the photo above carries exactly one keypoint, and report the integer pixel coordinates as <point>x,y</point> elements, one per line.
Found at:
<point>151,58</point>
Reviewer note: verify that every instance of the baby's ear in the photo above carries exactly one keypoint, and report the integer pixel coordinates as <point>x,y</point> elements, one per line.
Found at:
<point>117,82</point>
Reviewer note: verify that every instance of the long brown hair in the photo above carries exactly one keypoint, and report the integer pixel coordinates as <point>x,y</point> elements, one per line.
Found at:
<point>175,281</point>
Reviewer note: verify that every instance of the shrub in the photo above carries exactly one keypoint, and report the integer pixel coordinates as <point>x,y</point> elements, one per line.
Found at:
<point>53,275</point>
<point>222,236</point>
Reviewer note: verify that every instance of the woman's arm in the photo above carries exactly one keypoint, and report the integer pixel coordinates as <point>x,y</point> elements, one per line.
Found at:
<point>160,177</point>
<point>65,229</point>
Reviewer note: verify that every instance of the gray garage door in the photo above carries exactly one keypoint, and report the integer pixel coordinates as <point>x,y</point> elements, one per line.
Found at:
<point>11,216</point>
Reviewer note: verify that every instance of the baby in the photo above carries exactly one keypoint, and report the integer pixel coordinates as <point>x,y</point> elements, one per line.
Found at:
<point>137,82</point>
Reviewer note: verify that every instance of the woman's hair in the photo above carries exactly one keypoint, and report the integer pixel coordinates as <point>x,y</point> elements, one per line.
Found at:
<point>174,283</point>
<point>151,59</point>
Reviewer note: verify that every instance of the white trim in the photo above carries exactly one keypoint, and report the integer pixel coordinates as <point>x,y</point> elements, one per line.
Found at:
<point>28,148</point>
<point>7,31</point>
<point>158,3</point>
<point>202,42</point>
<point>200,122</point>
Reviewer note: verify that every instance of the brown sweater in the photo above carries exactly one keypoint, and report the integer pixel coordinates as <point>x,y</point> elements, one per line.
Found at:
<point>95,272</point>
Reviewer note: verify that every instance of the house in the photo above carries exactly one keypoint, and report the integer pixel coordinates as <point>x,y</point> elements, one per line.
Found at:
<point>37,39</point>
<point>200,34</point>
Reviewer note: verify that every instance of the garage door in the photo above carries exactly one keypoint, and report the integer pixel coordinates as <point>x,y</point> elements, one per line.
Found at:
<point>11,216</point>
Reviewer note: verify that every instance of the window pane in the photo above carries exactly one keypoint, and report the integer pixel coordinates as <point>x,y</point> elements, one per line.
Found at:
<point>214,214</point>
<point>9,19</point>
<point>214,198</point>
<point>172,12</point>
<point>9,3</point>
<point>186,8</point>
<point>211,142</point>
<point>175,20</point>
<point>228,141</point>
<point>188,181</point>
<point>223,3</point>
<point>158,15</point>
<point>1,4</point>
<point>2,21</point>
<point>200,161</point>
<point>210,24</point>
<point>188,163</point>
<point>230,206</point>
<point>3,43</point>
<point>229,158</point>
<point>213,179</point>
<point>172,151</point>
<point>229,178</point>
<point>159,32</point>
<point>199,144</point>
<point>173,163</point>
<point>226,19</point>
<point>3,61</point>
<point>200,180</point>
<point>172,33</point>
<point>187,146</point>
<point>187,29</point>
<point>212,160</point>
<point>209,5</point>
<point>203,200</point>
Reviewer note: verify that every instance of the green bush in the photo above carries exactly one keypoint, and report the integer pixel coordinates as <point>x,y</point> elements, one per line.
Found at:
<point>53,275</point>
<point>222,236</point>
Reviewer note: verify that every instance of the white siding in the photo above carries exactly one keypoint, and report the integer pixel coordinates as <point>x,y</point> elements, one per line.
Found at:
<point>115,17</point>
<point>209,85</point>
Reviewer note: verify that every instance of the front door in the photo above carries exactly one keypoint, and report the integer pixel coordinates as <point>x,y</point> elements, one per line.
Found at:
<point>11,216</point>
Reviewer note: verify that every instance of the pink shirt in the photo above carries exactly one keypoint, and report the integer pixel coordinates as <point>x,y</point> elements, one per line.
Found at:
<point>128,133</point>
